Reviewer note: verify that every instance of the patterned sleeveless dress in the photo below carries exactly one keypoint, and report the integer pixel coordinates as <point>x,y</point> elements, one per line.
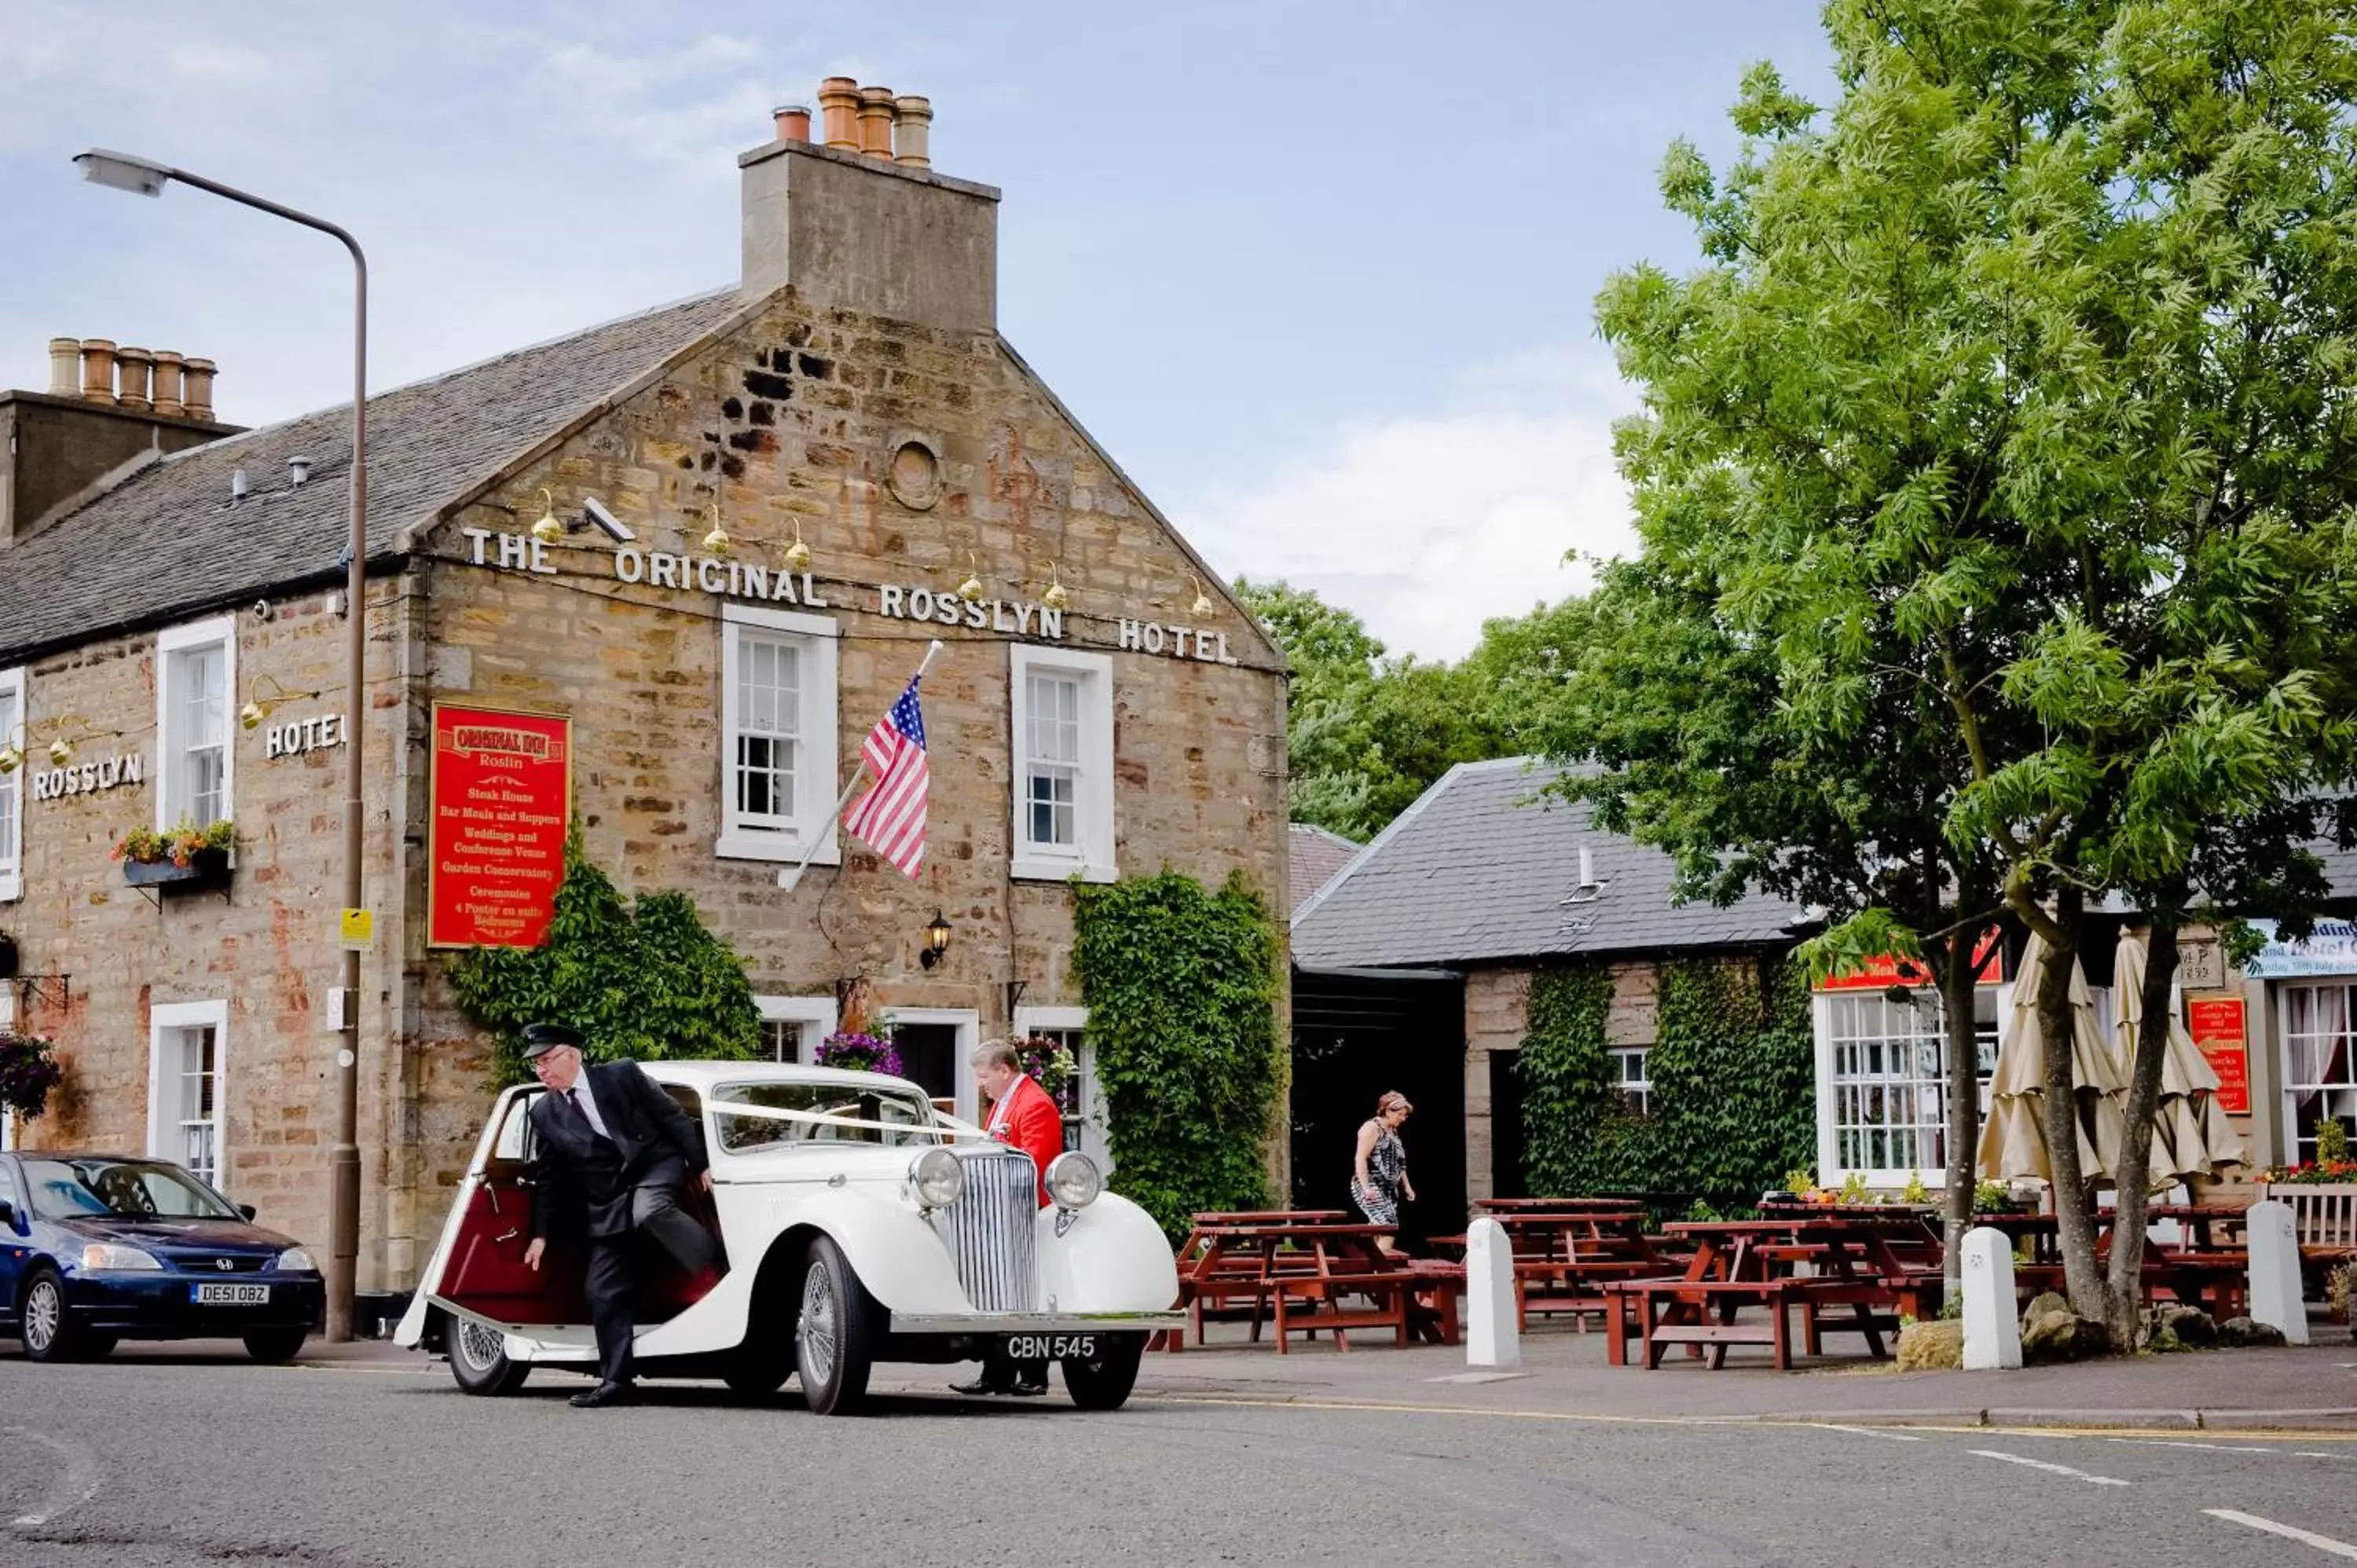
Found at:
<point>1378,1197</point>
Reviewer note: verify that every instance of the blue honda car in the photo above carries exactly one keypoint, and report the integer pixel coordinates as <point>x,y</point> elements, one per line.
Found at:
<point>98,1248</point>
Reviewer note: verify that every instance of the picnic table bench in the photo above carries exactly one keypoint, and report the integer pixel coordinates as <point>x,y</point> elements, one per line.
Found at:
<point>1301,1276</point>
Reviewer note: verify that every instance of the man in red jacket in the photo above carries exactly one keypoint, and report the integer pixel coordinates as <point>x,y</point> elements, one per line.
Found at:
<point>1024,1115</point>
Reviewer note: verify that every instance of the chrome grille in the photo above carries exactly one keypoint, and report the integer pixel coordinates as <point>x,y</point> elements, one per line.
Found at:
<point>989,1230</point>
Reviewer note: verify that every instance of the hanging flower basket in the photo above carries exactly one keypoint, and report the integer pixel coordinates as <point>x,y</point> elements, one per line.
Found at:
<point>1044,1061</point>
<point>856,1052</point>
<point>27,1073</point>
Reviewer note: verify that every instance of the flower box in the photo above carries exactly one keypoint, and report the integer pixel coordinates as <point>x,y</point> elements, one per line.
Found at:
<point>206,868</point>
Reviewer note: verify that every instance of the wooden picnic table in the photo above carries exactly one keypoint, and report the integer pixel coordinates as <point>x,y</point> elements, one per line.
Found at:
<point>1299,1275</point>
<point>1501,1206</point>
<point>2205,1270</point>
<point>1855,1261</point>
<point>1563,1256</point>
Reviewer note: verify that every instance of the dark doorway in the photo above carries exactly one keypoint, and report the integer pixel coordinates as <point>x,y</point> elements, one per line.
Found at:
<point>929,1056</point>
<point>1506,1177</point>
<point>1357,1034</point>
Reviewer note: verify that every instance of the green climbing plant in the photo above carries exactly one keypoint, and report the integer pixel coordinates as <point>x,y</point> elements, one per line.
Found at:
<point>1181,985</point>
<point>1577,1135</point>
<point>644,981</point>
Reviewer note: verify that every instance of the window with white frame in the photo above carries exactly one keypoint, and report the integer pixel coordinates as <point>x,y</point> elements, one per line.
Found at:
<point>12,788</point>
<point>778,740</point>
<point>1061,735</point>
<point>1080,1100</point>
<point>1888,1081</point>
<point>187,1044</point>
<point>195,672</point>
<point>792,1027</point>
<point>1631,1076</point>
<point>2319,1079</point>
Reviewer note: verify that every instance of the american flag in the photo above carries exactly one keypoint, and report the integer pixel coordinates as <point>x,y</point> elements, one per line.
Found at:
<point>890,818</point>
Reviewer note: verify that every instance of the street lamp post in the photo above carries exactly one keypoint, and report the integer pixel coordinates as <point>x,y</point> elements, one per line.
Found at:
<point>144,177</point>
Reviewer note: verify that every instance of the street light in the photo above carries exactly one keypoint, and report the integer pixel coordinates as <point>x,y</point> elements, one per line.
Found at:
<point>144,177</point>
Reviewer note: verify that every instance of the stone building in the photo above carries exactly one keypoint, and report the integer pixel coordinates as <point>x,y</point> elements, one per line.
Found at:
<point>714,540</point>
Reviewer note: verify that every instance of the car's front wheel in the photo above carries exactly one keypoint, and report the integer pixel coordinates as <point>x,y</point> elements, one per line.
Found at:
<point>479,1360</point>
<point>47,1334</point>
<point>1104,1379</point>
<point>834,1333</point>
<point>275,1345</point>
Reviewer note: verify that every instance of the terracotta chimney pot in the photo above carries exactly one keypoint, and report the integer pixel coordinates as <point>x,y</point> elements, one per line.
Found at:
<point>793,123</point>
<point>131,370</point>
<point>167,385</point>
<point>838,108</point>
<point>200,394</point>
<point>876,122</point>
<point>913,130</point>
<point>98,369</point>
<point>65,366</point>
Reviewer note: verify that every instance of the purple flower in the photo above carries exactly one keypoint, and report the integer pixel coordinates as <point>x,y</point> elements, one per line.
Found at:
<point>856,1052</point>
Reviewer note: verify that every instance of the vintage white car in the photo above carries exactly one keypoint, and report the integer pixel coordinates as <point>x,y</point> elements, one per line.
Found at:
<point>861,1225</point>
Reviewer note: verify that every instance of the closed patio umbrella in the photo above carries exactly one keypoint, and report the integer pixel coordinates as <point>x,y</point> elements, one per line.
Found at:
<point>2013,1138</point>
<point>2191,1134</point>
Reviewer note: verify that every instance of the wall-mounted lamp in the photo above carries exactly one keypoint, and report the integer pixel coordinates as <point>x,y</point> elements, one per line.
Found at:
<point>260,706</point>
<point>1056,596</point>
<point>548,531</point>
<point>61,751</point>
<point>797,553</point>
<point>1202,608</point>
<point>937,940</point>
<point>717,541</point>
<point>971,588</point>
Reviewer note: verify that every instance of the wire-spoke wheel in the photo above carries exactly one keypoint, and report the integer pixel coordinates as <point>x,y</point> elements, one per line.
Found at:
<point>479,1360</point>
<point>834,1333</point>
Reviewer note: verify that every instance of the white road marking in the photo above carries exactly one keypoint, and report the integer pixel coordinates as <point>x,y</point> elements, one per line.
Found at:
<point>76,1485</point>
<point>2213,1447</point>
<point>2056,1469</point>
<point>2290,1532</point>
<point>1870,1431</point>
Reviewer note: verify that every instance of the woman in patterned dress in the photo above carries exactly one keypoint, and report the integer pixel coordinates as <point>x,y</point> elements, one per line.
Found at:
<point>1381,1180</point>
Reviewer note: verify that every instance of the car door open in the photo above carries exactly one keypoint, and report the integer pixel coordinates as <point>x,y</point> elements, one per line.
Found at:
<point>486,1275</point>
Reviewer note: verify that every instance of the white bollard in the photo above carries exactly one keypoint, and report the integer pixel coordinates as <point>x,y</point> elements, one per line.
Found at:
<point>2274,1271</point>
<point>1491,1338</point>
<point>1992,1333</point>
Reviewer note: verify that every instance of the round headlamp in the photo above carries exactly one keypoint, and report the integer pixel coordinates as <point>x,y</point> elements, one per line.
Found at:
<point>938,1177</point>
<point>1073,1180</point>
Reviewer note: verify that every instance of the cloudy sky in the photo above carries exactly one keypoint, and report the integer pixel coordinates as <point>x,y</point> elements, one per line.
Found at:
<point>1318,273</point>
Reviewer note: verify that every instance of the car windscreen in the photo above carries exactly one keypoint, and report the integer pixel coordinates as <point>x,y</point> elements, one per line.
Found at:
<point>124,1189</point>
<point>894,1119</point>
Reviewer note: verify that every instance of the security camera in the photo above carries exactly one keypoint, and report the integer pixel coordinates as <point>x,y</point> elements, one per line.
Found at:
<point>263,609</point>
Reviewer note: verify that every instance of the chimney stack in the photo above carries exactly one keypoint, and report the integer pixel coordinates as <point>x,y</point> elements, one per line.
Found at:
<point>98,370</point>
<point>912,132</point>
<point>167,385</point>
<point>793,123</point>
<point>65,366</point>
<point>876,122</point>
<point>838,108</point>
<point>200,394</point>
<point>132,366</point>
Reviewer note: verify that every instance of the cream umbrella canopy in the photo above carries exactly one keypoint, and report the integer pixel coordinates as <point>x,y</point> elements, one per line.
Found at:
<point>2013,1138</point>
<point>2191,1134</point>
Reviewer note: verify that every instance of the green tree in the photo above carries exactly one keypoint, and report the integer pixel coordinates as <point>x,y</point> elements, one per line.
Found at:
<point>2001,451</point>
<point>648,982</point>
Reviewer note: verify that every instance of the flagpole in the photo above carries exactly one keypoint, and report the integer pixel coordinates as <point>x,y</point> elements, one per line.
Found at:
<point>788,879</point>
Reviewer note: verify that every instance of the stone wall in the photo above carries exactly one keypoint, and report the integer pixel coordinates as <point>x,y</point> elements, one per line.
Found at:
<point>1497,1018</point>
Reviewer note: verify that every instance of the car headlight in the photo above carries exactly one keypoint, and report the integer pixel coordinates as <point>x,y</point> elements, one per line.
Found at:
<point>294,1261</point>
<point>1073,1180</point>
<point>106,1256</point>
<point>938,1176</point>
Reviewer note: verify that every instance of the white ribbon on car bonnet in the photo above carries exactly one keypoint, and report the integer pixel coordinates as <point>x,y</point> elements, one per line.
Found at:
<point>943,1120</point>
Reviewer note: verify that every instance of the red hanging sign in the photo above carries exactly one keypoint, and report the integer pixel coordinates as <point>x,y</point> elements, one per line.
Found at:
<point>503,793</point>
<point>1886,970</point>
<point>2216,1024</point>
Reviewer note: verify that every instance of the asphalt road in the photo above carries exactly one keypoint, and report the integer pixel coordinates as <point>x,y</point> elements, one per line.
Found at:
<point>191,1456</point>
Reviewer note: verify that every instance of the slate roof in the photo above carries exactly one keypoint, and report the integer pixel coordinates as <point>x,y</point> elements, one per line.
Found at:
<point>165,544</point>
<point>1313,854</point>
<point>1476,871</point>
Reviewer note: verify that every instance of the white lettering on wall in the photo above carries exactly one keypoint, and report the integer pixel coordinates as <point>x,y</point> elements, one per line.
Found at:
<point>296,736</point>
<point>89,778</point>
<point>1150,637</point>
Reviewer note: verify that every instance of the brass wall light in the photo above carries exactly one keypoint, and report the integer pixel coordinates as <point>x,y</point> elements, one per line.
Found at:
<point>797,553</point>
<point>1056,596</point>
<point>718,540</point>
<point>971,588</point>
<point>62,750</point>
<point>260,706</point>
<point>548,531</point>
<point>937,940</point>
<point>1202,608</point>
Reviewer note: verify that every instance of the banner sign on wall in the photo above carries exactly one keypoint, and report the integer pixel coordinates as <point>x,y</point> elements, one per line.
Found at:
<point>1886,970</point>
<point>502,789</point>
<point>2331,948</point>
<point>2216,1024</point>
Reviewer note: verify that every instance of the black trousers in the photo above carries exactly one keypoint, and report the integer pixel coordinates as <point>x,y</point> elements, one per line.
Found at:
<point>613,1277</point>
<point>1001,1370</point>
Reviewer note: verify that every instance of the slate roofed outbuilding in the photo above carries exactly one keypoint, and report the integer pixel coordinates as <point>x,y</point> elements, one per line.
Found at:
<point>164,542</point>
<point>1483,869</point>
<point>1312,856</point>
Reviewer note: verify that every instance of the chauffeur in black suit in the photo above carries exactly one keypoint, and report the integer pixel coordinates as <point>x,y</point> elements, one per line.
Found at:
<point>614,1154</point>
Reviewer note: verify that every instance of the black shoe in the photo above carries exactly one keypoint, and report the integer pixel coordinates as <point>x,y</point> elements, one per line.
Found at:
<point>1029,1390</point>
<point>982,1386</point>
<point>603,1395</point>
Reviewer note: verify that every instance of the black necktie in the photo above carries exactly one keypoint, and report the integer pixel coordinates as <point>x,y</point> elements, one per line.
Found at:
<point>572,1098</point>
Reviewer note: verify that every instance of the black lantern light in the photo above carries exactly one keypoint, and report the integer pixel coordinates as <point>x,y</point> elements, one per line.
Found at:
<point>937,940</point>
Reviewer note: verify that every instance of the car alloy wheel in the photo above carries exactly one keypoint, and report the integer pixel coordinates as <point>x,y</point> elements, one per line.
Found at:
<point>45,1316</point>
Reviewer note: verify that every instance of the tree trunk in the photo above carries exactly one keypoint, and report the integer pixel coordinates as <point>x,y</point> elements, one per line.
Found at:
<point>2127,1280</point>
<point>2059,1105</point>
<point>1956,980</point>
